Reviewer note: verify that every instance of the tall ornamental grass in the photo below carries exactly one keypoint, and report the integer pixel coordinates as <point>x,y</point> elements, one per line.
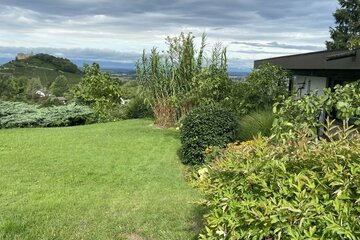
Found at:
<point>172,81</point>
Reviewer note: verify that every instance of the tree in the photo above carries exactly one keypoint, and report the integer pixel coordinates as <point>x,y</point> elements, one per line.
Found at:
<point>98,90</point>
<point>347,32</point>
<point>33,85</point>
<point>59,86</point>
<point>8,87</point>
<point>354,42</point>
<point>260,90</point>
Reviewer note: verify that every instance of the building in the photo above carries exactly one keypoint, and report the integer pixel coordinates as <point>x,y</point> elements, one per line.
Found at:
<point>318,70</point>
<point>23,56</point>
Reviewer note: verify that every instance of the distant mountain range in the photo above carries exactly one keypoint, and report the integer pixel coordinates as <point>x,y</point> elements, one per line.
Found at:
<point>126,68</point>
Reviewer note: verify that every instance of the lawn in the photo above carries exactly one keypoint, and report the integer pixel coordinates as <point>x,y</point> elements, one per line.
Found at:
<point>120,180</point>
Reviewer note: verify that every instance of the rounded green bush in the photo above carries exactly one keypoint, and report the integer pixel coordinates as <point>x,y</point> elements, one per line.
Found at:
<point>203,127</point>
<point>137,108</point>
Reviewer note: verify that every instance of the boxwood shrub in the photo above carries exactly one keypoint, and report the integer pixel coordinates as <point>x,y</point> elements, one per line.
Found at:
<point>206,126</point>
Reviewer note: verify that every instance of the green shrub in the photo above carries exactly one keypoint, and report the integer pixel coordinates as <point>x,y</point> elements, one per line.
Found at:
<point>117,112</point>
<point>130,89</point>
<point>256,123</point>
<point>15,108</point>
<point>59,86</point>
<point>300,189</point>
<point>50,102</point>
<point>99,91</point>
<point>15,114</point>
<point>203,127</point>
<point>259,90</point>
<point>293,114</point>
<point>137,108</point>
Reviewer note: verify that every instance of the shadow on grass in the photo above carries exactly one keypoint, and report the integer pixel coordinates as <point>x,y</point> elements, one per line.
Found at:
<point>172,133</point>
<point>198,211</point>
<point>197,220</point>
<point>180,155</point>
<point>10,228</point>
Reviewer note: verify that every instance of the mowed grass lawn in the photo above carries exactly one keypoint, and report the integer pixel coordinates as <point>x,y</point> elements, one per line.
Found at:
<point>119,180</point>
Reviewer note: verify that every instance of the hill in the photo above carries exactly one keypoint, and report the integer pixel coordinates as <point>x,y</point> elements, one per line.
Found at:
<point>43,66</point>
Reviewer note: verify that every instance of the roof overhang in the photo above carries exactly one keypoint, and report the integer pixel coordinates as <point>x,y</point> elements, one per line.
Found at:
<point>323,60</point>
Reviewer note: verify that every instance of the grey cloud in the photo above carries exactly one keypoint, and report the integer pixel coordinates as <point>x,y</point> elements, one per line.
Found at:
<point>279,45</point>
<point>137,24</point>
<point>197,12</point>
<point>262,52</point>
<point>140,15</point>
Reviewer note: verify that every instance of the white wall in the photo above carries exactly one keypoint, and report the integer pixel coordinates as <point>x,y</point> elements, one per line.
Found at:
<point>303,85</point>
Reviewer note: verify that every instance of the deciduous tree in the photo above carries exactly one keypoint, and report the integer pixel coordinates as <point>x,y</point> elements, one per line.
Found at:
<point>59,86</point>
<point>98,90</point>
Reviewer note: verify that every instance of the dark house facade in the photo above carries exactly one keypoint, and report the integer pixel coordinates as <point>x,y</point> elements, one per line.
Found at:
<point>318,70</point>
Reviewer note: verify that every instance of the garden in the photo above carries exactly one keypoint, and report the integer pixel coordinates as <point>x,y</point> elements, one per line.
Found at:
<point>210,157</point>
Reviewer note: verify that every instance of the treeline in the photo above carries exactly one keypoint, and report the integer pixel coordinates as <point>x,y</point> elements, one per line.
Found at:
<point>30,89</point>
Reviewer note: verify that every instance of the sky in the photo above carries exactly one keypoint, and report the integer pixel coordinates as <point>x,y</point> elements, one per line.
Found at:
<point>115,32</point>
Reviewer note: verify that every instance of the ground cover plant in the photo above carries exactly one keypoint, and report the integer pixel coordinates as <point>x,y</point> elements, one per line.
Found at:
<point>119,180</point>
<point>21,115</point>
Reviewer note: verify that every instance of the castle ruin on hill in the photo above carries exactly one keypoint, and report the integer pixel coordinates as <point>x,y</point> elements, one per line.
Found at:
<point>23,56</point>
